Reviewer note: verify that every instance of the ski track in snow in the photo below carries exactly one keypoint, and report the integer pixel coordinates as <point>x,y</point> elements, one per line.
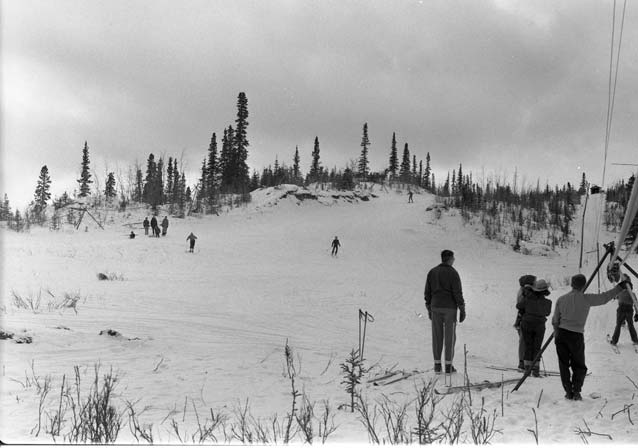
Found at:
<point>212,325</point>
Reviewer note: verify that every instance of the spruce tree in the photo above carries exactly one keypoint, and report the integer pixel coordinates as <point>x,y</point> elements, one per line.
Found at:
<point>85,174</point>
<point>363,159</point>
<point>149,194</point>
<point>426,174</point>
<point>139,186</point>
<point>404,173</point>
<point>414,166</point>
<point>6,209</point>
<point>109,190</point>
<point>42,192</point>
<point>394,159</point>
<point>212,169</point>
<point>315,168</point>
<point>241,144</point>
<point>169,181</point>
<point>295,166</point>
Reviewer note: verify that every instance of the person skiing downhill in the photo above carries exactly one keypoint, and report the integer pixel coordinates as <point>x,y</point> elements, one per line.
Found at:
<point>443,295</point>
<point>191,238</point>
<point>624,313</point>
<point>335,246</point>
<point>535,308</point>
<point>570,316</point>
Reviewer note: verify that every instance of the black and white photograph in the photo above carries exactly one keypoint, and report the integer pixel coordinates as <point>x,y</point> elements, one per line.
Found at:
<point>296,222</point>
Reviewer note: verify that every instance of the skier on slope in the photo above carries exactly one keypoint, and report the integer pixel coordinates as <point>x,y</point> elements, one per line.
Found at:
<point>520,296</point>
<point>191,238</point>
<point>335,246</point>
<point>535,308</point>
<point>443,295</point>
<point>570,316</point>
<point>624,313</point>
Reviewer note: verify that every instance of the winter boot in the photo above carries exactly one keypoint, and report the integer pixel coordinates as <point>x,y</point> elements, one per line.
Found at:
<point>577,396</point>
<point>437,367</point>
<point>521,365</point>
<point>536,371</point>
<point>527,365</point>
<point>449,368</point>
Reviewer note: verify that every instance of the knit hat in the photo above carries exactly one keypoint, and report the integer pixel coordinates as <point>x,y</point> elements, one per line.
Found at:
<point>540,285</point>
<point>526,280</point>
<point>579,281</point>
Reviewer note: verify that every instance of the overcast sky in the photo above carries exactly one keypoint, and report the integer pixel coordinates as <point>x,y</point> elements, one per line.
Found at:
<point>501,86</point>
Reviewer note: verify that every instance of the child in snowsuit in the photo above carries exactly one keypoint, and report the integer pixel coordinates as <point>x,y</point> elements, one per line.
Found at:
<point>146,225</point>
<point>624,313</point>
<point>535,308</point>
<point>164,225</point>
<point>335,246</point>
<point>191,239</point>
<point>522,292</point>
<point>132,235</point>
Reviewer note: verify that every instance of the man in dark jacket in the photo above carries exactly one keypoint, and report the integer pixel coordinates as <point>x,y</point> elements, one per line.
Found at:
<point>154,225</point>
<point>443,295</point>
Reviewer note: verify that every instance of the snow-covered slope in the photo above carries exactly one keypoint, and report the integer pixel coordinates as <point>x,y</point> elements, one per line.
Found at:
<point>209,328</point>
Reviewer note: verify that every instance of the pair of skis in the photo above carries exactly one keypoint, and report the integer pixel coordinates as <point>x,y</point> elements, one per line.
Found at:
<point>392,377</point>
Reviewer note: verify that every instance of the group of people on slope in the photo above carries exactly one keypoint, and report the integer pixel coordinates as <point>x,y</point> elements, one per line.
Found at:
<point>155,229</point>
<point>444,296</point>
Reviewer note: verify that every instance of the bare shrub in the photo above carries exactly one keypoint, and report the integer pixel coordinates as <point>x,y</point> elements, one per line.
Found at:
<point>482,424</point>
<point>426,404</point>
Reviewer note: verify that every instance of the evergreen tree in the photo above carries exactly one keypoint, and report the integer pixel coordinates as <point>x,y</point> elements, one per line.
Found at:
<point>296,174</point>
<point>169,181</point>
<point>109,190</point>
<point>404,173</point>
<point>151,181</point>
<point>426,174</point>
<point>85,175</point>
<point>42,192</point>
<point>138,191</point>
<point>212,169</point>
<point>254,181</point>
<point>363,159</point>
<point>315,168</point>
<point>202,193</point>
<point>5,208</point>
<point>583,185</point>
<point>394,159</point>
<point>414,166</point>
<point>420,176</point>
<point>241,144</point>
<point>159,182</point>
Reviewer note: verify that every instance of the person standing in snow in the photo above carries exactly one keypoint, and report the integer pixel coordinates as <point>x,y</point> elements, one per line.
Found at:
<point>625,313</point>
<point>335,246</point>
<point>535,308</point>
<point>164,225</point>
<point>146,225</point>
<point>522,292</point>
<point>410,196</point>
<point>570,316</point>
<point>443,295</point>
<point>191,238</point>
<point>154,225</point>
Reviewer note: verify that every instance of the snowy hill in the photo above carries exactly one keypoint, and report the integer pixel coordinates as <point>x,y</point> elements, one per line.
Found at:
<point>207,330</point>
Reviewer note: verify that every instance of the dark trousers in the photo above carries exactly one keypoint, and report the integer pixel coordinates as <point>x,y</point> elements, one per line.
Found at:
<point>570,347</point>
<point>335,249</point>
<point>443,333</point>
<point>521,345</point>
<point>192,245</point>
<point>533,334</point>
<point>624,315</point>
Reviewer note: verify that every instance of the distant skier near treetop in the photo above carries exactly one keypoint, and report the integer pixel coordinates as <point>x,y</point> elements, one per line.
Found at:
<point>335,246</point>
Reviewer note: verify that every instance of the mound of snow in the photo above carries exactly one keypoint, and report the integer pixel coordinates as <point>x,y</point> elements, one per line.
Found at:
<point>271,196</point>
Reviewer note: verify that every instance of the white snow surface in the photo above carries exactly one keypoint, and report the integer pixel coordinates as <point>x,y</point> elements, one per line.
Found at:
<point>210,327</point>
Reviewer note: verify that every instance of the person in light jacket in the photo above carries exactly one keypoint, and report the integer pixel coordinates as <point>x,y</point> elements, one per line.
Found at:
<point>570,315</point>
